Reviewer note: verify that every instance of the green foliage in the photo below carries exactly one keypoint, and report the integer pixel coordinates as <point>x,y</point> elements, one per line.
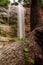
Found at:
<point>29,1</point>
<point>25,41</point>
<point>4,2</point>
<point>41,3</point>
<point>26,50</point>
<point>28,60</point>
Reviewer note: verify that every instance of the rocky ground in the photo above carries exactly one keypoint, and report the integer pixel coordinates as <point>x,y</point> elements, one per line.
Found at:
<point>12,54</point>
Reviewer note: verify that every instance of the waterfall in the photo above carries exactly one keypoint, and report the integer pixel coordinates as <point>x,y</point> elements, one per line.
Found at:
<point>21,21</point>
<point>11,1</point>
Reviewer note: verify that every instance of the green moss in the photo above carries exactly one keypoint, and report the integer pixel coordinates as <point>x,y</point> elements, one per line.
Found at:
<point>24,4</point>
<point>25,50</point>
<point>31,61</point>
<point>28,60</point>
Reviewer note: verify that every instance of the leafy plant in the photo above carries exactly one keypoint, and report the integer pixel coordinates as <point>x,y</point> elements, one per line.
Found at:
<point>28,60</point>
<point>41,3</point>
<point>4,2</point>
<point>25,41</point>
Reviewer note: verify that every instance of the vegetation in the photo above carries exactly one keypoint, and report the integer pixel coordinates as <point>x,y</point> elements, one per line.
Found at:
<point>41,3</point>
<point>28,60</point>
<point>4,2</point>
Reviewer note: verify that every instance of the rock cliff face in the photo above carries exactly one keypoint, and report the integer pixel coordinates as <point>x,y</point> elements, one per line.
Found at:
<point>8,22</point>
<point>9,19</point>
<point>27,21</point>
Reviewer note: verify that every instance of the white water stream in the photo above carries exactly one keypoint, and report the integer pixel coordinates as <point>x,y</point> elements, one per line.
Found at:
<point>21,19</point>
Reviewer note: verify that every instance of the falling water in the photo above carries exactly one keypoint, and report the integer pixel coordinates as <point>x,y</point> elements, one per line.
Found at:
<point>21,21</point>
